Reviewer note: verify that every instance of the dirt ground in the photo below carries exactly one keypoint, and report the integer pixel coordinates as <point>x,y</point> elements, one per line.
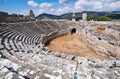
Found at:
<point>73,44</point>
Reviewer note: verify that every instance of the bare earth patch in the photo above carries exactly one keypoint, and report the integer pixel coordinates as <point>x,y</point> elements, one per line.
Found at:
<point>73,44</point>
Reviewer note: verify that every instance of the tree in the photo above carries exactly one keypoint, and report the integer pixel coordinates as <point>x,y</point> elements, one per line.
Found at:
<point>103,18</point>
<point>114,16</point>
<point>89,18</point>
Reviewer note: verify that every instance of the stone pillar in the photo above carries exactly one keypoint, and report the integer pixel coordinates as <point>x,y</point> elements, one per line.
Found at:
<point>73,17</point>
<point>84,16</point>
<point>31,15</point>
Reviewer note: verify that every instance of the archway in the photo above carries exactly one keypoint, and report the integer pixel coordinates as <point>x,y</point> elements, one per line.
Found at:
<point>73,30</point>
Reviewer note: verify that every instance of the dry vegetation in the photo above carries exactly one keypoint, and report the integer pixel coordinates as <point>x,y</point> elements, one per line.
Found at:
<point>101,30</point>
<point>73,44</point>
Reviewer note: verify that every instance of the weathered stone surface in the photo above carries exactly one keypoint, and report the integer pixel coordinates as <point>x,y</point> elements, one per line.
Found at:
<point>24,56</point>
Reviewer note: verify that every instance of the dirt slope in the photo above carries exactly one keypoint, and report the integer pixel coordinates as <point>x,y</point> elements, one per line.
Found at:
<point>73,44</point>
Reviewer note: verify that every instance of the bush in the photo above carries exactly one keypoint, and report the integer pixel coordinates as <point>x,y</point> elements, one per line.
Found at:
<point>89,18</point>
<point>114,16</point>
<point>103,18</point>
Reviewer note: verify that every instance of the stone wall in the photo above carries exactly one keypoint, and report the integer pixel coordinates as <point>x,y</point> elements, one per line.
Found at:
<point>102,43</point>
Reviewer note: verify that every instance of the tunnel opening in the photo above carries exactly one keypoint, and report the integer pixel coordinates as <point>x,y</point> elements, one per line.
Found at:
<point>73,30</point>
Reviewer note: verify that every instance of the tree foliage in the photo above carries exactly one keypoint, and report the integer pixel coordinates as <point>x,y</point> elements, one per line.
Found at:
<point>101,18</point>
<point>114,16</point>
<point>89,18</point>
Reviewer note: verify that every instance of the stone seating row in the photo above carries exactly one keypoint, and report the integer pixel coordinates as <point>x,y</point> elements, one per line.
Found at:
<point>31,32</point>
<point>36,65</point>
<point>18,36</point>
<point>43,67</point>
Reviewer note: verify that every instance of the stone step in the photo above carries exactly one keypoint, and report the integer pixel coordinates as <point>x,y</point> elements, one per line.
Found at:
<point>5,32</point>
<point>1,46</point>
<point>13,46</point>
<point>47,66</point>
<point>20,37</point>
<point>6,44</point>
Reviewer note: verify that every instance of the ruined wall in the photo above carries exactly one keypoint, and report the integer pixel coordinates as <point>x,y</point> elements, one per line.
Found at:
<point>21,57</point>
<point>46,39</point>
<point>102,41</point>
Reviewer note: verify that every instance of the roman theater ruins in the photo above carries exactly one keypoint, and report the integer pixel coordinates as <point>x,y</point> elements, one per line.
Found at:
<point>60,49</point>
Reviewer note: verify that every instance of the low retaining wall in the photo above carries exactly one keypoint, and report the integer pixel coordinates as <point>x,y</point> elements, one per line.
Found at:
<point>46,39</point>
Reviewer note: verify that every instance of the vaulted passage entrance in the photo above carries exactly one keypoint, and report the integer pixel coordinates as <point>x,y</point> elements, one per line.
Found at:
<point>73,30</point>
<point>72,44</point>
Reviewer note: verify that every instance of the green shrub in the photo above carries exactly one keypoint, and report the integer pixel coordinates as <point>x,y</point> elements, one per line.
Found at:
<point>103,18</point>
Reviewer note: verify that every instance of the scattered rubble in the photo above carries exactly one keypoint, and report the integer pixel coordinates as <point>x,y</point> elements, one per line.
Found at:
<point>23,54</point>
